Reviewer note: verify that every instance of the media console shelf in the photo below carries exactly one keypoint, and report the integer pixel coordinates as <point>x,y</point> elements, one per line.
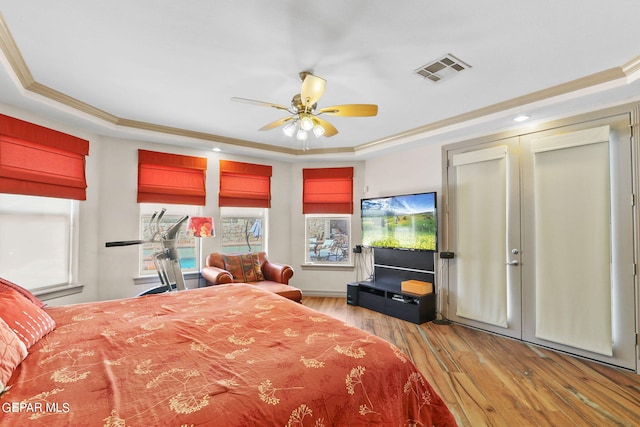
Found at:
<point>384,294</point>
<point>390,301</point>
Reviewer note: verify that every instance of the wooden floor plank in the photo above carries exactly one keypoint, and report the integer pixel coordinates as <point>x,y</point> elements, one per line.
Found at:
<point>477,405</point>
<point>488,380</point>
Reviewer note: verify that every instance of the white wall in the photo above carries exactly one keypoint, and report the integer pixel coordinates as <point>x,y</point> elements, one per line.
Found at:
<point>119,211</point>
<point>118,218</point>
<point>321,280</point>
<point>111,212</point>
<point>406,171</point>
<point>413,170</point>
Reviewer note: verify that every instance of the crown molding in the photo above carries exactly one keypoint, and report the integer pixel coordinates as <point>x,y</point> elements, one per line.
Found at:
<point>134,124</point>
<point>602,77</point>
<point>19,67</point>
<point>632,66</point>
<point>21,70</point>
<point>13,55</point>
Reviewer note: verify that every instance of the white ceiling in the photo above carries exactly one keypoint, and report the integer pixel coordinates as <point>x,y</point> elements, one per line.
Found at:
<point>166,70</point>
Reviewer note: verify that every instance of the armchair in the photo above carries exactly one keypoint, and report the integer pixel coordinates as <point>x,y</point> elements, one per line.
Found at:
<point>252,268</point>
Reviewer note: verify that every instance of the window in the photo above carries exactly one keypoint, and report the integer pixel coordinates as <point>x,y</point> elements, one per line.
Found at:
<point>188,247</point>
<point>37,240</point>
<point>243,229</point>
<point>244,199</point>
<point>327,202</point>
<point>181,182</point>
<point>42,174</point>
<point>328,239</point>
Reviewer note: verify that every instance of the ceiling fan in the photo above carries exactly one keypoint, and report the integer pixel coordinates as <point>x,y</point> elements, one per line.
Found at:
<point>304,114</point>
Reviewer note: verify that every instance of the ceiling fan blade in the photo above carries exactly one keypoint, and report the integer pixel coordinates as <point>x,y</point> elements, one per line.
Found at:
<point>329,129</point>
<point>312,89</point>
<point>276,123</point>
<point>261,103</point>
<point>351,110</point>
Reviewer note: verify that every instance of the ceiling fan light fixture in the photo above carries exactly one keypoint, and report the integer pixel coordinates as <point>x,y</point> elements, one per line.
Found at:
<point>318,131</point>
<point>304,115</point>
<point>306,123</point>
<point>289,128</point>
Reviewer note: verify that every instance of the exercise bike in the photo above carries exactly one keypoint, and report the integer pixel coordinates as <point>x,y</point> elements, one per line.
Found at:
<point>166,259</point>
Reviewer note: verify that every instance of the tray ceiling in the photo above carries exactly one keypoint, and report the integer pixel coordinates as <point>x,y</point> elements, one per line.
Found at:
<point>165,71</point>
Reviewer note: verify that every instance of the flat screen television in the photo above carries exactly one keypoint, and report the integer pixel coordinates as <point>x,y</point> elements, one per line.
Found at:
<point>400,222</point>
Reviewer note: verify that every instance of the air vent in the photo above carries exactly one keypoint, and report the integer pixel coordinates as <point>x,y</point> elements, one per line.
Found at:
<point>442,69</point>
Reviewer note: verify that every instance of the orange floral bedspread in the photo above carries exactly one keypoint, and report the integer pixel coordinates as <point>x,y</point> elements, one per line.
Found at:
<point>228,355</point>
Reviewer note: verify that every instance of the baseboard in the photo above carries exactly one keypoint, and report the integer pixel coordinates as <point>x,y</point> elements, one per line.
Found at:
<point>325,294</point>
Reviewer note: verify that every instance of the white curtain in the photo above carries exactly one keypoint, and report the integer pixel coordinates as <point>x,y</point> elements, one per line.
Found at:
<point>481,198</point>
<point>572,240</point>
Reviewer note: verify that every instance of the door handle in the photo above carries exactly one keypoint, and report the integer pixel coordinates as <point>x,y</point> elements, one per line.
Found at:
<point>513,263</point>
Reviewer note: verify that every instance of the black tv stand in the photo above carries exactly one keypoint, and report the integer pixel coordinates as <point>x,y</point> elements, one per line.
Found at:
<point>384,294</point>
<point>388,299</point>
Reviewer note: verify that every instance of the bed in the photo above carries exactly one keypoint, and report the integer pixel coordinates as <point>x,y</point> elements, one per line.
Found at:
<point>231,355</point>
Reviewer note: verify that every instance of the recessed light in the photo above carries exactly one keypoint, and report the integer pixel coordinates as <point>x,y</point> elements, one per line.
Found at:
<point>217,149</point>
<point>522,118</point>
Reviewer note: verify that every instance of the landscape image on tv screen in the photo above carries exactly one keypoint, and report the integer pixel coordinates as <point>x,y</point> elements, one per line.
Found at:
<point>402,222</point>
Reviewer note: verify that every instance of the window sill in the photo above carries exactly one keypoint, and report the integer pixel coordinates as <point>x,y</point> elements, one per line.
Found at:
<point>57,291</point>
<point>153,279</point>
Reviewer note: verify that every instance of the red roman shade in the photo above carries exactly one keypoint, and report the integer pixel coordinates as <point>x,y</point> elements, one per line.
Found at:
<point>244,185</point>
<point>171,178</point>
<point>327,190</point>
<point>39,161</point>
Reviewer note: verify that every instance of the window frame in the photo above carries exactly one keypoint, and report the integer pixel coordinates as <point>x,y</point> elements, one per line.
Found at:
<point>71,240</point>
<point>240,213</point>
<point>173,212</point>
<point>341,250</point>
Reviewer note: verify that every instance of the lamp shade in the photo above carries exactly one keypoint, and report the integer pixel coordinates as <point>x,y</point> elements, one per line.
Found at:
<point>289,129</point>
<point>306,123</point>
<point>301,135</point>
<point>201,226</point>
<point>318,131</point>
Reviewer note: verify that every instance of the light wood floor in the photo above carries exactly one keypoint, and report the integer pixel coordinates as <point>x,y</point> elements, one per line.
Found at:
<point>487,380</point>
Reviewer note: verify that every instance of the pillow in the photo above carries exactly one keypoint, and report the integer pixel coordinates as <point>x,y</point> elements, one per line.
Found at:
<point>29,322</point>
<point>5,284</point>
<point>12,352</point>
<point>244,267</point>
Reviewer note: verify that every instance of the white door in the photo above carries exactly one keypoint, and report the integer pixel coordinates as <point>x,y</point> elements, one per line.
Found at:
<point>577,229</point>
<point>542,229</point>
<point>484,233</point>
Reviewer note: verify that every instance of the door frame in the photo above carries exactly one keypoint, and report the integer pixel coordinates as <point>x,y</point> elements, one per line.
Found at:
<point>632,110</point>
<point>621,254</point>
<point>512,274</point>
